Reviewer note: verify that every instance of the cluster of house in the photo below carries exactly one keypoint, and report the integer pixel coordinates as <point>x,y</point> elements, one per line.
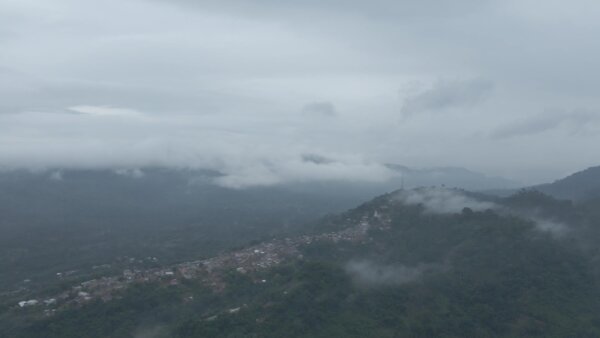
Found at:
<point>209,271</point>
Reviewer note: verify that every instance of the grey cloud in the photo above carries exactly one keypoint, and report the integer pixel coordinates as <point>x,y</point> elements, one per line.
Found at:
<point>446,95</point>
<point>280,170</point>
<point>376,9</point>
<point>247,153</point>
<point>574,121</point>
<point>316,159</point>
<point>26,93</point>
<point>323,108</point>
<point>231,76</point>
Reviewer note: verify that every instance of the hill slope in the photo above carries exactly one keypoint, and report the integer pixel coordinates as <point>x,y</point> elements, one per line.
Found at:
<point>419,263</point>
<point>578,186</point>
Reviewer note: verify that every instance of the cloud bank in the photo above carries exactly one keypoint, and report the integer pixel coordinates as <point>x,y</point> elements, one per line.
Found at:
<point>246,152</point>
<point>441,200</point>
<point>323,108</point>
<point>256,79</point>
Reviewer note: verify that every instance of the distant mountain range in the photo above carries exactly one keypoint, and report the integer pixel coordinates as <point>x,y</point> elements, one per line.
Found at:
<point>450,177</point>
<point>161,187</point>
<point>580,185</point>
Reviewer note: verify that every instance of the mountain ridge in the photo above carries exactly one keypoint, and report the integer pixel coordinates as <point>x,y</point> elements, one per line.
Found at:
<point>577,186</point>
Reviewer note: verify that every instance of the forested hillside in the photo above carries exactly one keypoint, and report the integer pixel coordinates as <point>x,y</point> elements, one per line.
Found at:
<point>70,220</point>
<point>578,186</point>
<point>425,262</point>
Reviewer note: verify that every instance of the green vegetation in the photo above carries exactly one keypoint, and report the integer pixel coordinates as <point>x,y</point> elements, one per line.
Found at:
<point>478,274</point>
<point>96,217</point>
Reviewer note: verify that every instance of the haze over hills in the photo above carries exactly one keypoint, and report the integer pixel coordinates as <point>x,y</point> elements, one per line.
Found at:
<point>173,215</point>
<point>182,195</point>
<point>97,213</point>
<point>578,186</point>
<point>118,239</point>
<point>450,177</point>
<point>105,214</point>
<point>301,169</point>
<point>422,262</point>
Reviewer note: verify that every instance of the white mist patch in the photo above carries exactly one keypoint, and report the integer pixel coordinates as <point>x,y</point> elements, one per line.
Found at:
<point>134,173</point>
<point>297,169</point>
<point>247,152</point>
<point>56,176</point>
<point>374,274</point>
<point>442,200</point>
<point>554,228</point>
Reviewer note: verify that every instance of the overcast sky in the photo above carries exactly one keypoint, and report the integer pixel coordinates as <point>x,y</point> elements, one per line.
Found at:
<point>254,88</point>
